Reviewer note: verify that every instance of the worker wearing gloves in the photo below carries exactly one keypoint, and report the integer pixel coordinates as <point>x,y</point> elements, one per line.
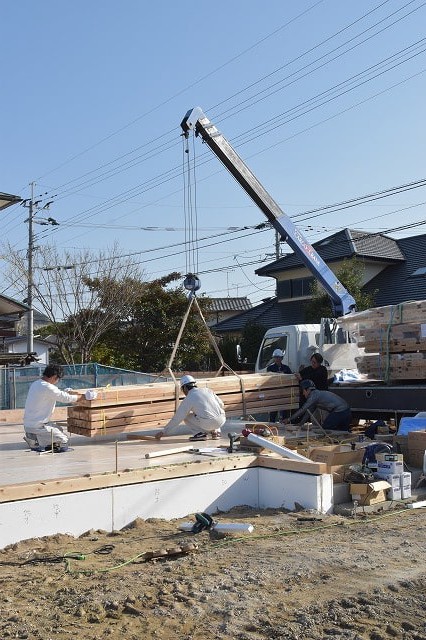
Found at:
<point>39,406</point>
<point>278,367</point>
<point>339,416</point>
<point>201,411</point>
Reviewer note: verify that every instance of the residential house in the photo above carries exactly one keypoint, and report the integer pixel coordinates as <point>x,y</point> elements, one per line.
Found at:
<point>221,309</point>
<point>395,270</point>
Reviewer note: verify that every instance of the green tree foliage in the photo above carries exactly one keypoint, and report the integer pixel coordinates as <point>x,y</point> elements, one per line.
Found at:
<point>228,349</point>
<point>350,275</point>
<point>251,339</point>
<point>145,338</point>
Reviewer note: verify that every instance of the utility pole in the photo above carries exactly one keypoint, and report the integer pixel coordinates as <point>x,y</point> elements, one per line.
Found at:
<point>277,246</point>
<point>33,208</point>
<point>30,315</point>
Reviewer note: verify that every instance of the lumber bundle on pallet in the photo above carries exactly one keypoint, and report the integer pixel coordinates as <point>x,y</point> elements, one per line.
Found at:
<point>398,338</point>
<point>138,407</point>
<point>392,314</point>
<point>394,341</point>
<point>395,366</point>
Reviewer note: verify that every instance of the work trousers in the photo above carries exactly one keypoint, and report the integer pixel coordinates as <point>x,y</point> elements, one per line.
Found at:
<point>193,424</point>
<point>338,420</point>
<point>45,433</point>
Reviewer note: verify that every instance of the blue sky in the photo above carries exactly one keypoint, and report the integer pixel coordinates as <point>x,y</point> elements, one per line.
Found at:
<point>94,93</point>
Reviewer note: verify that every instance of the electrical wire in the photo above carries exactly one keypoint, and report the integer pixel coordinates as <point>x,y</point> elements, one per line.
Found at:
<point>369,27</point>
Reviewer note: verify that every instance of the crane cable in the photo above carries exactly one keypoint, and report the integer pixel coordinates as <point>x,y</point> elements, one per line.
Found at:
<point>190,206</point>
<point>191,281</point>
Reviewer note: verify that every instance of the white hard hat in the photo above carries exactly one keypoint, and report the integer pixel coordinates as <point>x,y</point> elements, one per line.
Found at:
<point>277,353</point>
<point>185,380</point>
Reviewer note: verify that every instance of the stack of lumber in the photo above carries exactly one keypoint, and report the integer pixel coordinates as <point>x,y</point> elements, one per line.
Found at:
<point>394,341</point>
<point>138,407</point>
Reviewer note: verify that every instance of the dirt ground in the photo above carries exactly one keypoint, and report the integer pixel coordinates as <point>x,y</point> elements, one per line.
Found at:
<point>297,576</point>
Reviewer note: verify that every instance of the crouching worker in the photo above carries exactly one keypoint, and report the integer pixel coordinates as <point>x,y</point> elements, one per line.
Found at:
<point>39,406</point>
<point>201,411</point>
<point>339,417</point>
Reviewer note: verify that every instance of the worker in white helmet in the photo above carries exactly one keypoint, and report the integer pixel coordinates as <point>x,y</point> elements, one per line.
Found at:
<point>201,411</point>
<point>277,366</point>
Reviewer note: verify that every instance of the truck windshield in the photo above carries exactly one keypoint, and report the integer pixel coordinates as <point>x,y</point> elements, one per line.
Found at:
<point>268,347</point>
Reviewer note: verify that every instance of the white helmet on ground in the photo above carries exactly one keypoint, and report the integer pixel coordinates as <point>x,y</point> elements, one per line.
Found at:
<point>278,354</point>
<point>187,380</point>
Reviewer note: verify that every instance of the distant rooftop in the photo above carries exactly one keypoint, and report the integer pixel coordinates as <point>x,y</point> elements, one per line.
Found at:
<point>6,200</point>
<point>229,304</point>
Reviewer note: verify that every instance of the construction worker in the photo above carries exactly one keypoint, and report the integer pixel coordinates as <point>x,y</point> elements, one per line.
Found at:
<point>277,366</point>
<point>316,372</point>
<point>201,411</point>
<point>39,406</point>
<point>339,416</point>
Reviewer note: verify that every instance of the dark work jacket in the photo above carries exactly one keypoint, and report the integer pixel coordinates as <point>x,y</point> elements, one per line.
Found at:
<point>318,376</point>
<point>278,368</point>
<point>322,400</point>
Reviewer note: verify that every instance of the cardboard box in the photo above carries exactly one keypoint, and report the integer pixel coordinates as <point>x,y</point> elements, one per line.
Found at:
<point>405,484</point>
<point>389,457</point>
<point>415,458</point>
<point>372,493</point>
<point>387,468</point>
<point>336,455</point>
<point>400,444</point>
<point>338,458</point>
<point>417,440</point>
<point>416,445</point>
<point>394,493</point>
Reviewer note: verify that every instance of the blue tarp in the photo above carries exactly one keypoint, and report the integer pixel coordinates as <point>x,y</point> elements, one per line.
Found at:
<point>411,424</point>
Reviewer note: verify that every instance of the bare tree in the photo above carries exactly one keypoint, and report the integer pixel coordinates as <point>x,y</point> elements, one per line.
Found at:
<point>82,293</point>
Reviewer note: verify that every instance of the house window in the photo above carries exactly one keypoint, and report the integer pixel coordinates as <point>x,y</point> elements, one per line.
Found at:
<point>297,288</point>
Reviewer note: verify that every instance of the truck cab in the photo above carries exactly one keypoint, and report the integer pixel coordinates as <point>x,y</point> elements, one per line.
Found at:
<point>298,342</point>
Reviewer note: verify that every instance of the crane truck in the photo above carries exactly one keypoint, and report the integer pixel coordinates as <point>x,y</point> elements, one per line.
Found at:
<point>301,340</point>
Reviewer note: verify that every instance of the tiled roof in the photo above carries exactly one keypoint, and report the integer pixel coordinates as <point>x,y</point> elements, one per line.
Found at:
<point>267,314</point>
<point>229,304</point>
<point>396,283</point>
<point>343,244</point>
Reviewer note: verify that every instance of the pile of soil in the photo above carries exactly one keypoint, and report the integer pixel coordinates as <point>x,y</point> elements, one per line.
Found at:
<point>297,576</point>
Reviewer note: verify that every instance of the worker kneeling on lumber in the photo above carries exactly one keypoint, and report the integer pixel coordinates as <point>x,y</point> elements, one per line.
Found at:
<point>339,416</point>
<point>42,396</point>
<point>201,411</point>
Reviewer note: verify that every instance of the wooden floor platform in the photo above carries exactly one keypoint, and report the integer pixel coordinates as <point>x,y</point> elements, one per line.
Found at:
<point>106,483</point>
<point>89,458</point>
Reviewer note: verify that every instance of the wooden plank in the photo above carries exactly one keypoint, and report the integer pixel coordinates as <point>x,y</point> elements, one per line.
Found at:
<point>127,408</point>
<point>394,346</point>
<point>24,491</point>
<point>134,394</point>
<point>285,464</point>
<point>391,314</point>
<point>280,396</point>
<point>16,416</point>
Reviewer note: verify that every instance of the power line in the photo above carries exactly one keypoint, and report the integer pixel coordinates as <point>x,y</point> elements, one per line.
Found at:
<point>328,53</point>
